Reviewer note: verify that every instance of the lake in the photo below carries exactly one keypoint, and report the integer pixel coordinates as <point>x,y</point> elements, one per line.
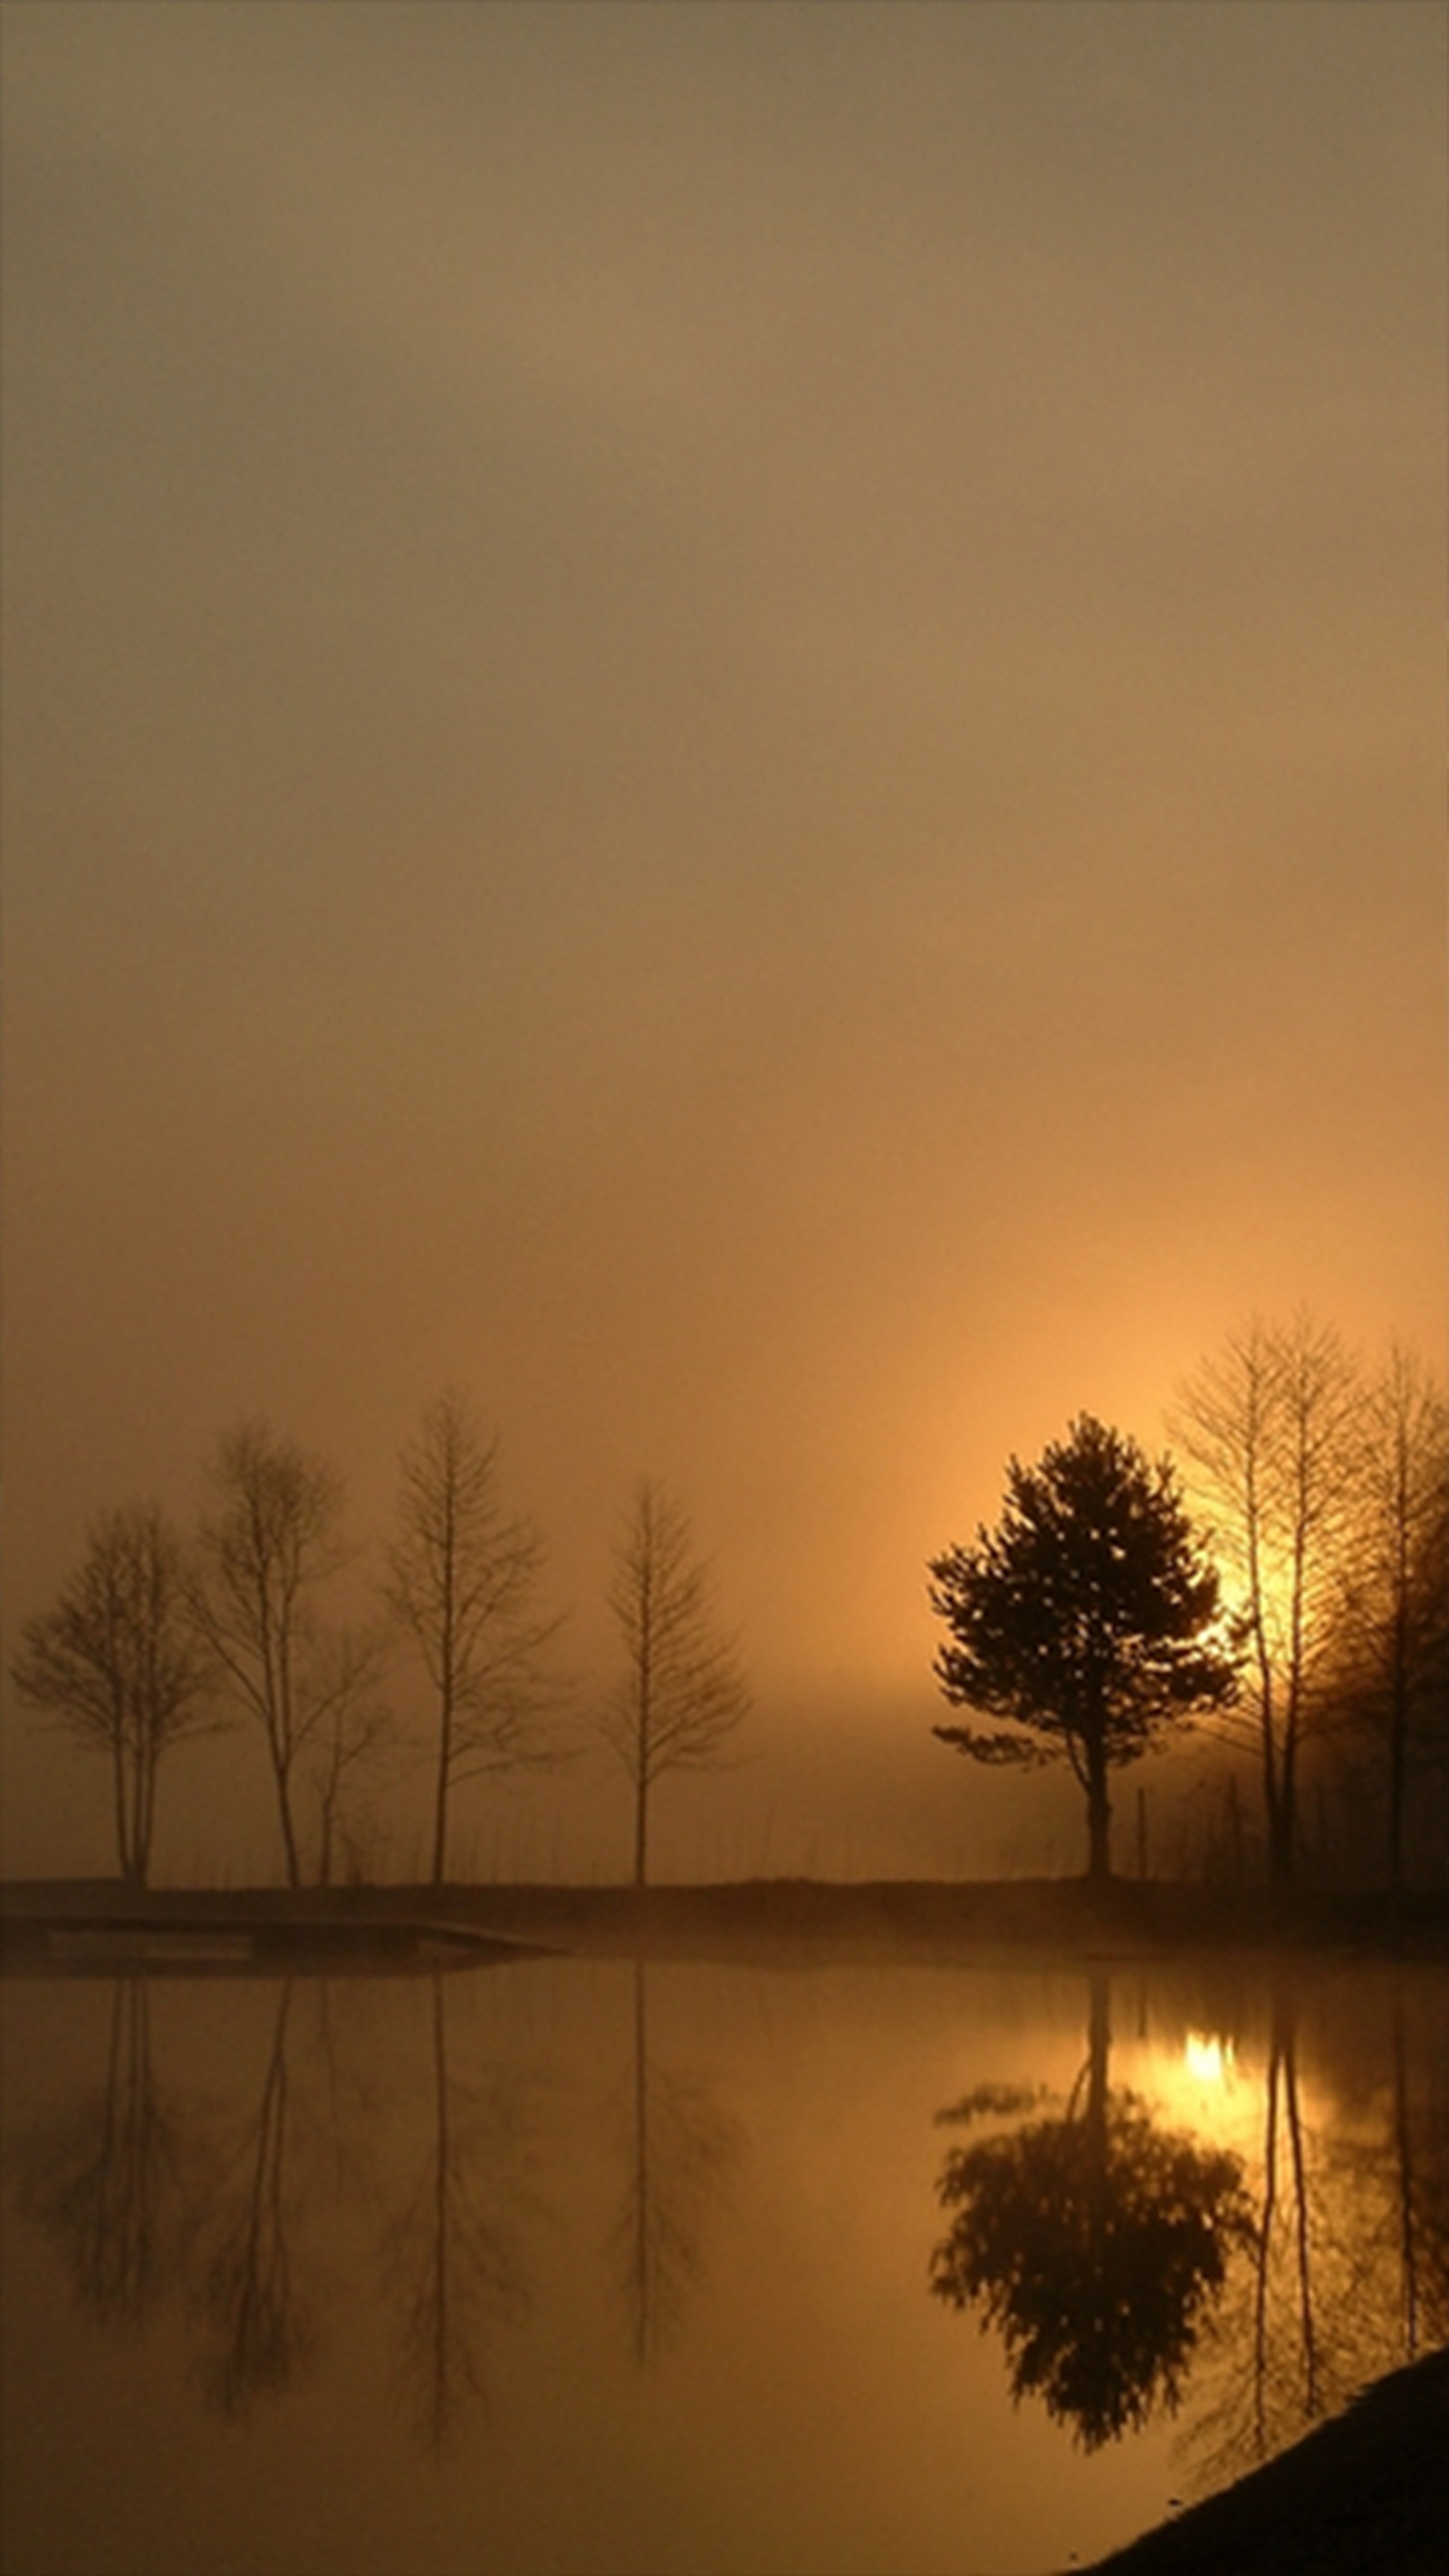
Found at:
<point>583,2268</point>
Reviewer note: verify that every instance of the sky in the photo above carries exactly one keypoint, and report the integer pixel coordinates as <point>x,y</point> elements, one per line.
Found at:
<point>728,722</point>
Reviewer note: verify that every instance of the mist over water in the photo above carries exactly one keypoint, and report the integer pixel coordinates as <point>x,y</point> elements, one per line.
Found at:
<point>626,2266</point>
<point>724,724</point>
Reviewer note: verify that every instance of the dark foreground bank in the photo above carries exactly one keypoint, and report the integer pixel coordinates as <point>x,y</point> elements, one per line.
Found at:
<point>1367,2495</point>
<point>782,1917</point>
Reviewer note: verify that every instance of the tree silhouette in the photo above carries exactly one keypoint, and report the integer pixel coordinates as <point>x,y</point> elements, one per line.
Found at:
<point>1087,1618</point>
<point>1271,1423</point>
<point>683,1690</point>
<point>117,1663</point>
<point>1094,2243</point>
<point>269,1542</point>
<point>1394,1606</point>
<point>463,1581</point>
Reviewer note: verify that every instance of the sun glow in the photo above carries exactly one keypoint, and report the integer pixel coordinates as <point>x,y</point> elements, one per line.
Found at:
<point>1207,2060</point>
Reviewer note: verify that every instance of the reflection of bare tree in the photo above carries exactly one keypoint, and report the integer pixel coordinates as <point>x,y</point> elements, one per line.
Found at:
<point>681,2149</point>
<point>1095,2243</point>
<point>1408,2213</point>
<point>1285,2058</point>
<point>451,2257</point>
<point>1420,2148</point>
<point>106,2180</point>
<point>1350,2270</point>
<point>248,2293</point>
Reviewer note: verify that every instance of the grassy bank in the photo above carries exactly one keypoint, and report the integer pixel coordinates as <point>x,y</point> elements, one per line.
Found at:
<point>911,1917</point>
<point>1367,2495</point>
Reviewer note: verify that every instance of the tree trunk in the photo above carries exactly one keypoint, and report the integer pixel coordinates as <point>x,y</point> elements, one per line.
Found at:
<point>118,1784</point>
<point>1398,1756</point>
<point>133,1863</point>
<point>289,1837</point>
<point>445,1765</point>
<point>146,1805</point>
<point>1282,1836</point>
<point>446,1697</point>
<point>440,1823</point>
<point>1099,1819</point>
<point>641,1831</point>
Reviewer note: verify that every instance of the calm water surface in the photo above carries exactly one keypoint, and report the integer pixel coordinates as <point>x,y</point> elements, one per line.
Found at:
<point>578,2269</point>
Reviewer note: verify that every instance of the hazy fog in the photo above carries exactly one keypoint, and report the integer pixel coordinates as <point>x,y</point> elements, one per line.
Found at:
<point>728,721</point>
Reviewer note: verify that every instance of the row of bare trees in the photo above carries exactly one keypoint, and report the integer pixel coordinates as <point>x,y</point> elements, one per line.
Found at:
<point>156,1637</point>
<point>1326,1489</point>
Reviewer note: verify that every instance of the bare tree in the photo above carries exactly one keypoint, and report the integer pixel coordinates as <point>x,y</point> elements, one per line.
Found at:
<point>264,1549</point>
<point>1395,1600</point>
<point>463,1580</point>
<point>349,1747</point>
<point>118,1665</point>
<point>1271,1425</point>
<point>683,1691</point>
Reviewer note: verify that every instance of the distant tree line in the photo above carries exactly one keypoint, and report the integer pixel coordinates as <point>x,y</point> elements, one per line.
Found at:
<point>1285,1593</point>
<point>1303,1619</point>
<point>161,1634</point>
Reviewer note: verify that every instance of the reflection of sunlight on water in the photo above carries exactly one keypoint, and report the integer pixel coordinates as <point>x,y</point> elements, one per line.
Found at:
<point>1209,2060</point>
<point>1200,2079</point>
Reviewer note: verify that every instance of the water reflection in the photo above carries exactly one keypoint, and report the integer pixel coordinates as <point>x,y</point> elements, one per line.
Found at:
<point>1093,2242</point>
<point>107,2179</point>
<point>256,2320</point>
<point>1349,2266</point>
<point>507,2221</point>
<point>680,2148</point>
<point>452,2251</point>
<point>1421,2179</point>
<point>220,2204</point>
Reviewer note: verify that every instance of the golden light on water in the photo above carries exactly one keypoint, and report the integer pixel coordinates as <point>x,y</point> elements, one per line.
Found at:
<point>1206,2059</point>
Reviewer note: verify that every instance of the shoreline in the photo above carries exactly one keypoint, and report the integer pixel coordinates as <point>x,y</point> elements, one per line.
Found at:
<point>1127,1919</point>
<point>1366,2493</point>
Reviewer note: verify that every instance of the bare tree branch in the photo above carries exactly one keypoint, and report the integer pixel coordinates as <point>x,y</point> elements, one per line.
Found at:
<point>271,1539</point>
<point>463,1581</point>
<point>683,1692</point>
<point>117,1664</point>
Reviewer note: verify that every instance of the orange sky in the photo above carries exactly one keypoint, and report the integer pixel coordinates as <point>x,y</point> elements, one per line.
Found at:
<point>728,720</point>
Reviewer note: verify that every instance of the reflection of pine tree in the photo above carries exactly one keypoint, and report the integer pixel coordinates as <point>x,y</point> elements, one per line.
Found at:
<point>451,2257</point>
<point>681,2149</point>
<point>107,2180</point>
<point>1095,2244</point>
